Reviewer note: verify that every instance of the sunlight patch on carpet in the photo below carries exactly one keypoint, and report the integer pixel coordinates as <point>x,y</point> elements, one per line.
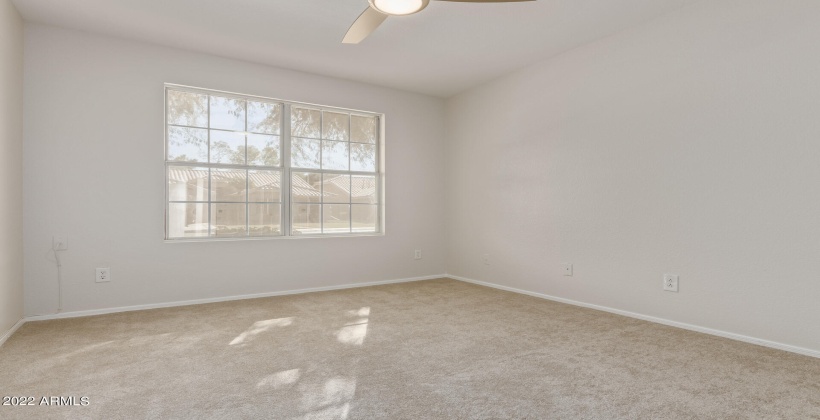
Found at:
<point>280,379</point>
<point>259,327</point>
<point>355,329</point>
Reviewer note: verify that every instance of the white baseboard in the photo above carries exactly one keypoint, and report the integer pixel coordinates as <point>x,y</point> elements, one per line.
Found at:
<point>104,311</point>
<point>10,332</point>
<point>696,328</point>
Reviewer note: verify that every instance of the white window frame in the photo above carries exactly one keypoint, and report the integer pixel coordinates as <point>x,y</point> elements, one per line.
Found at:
<point>285,169</point>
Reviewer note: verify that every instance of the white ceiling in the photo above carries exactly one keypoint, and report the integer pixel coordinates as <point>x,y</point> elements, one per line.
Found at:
<point>445,49</point>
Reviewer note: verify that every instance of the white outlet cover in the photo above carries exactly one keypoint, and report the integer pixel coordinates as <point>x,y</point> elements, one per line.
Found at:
<point>417,254</point>
<point>103,275</point>
<point>568,269</point>
<point>670,282</point>
<point>485,259</point>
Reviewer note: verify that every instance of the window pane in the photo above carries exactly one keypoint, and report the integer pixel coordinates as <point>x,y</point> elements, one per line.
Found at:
<point>263,150</point>
<point>304,153</point>
<point>264,118</point>
<point>336,218</point>
<point>335,155</point>
<point>264,186</point>
<point>187,183</point>
<point>306,123</point>
<point>365,217</point>
<point>307,219</point>
<point>306,187</point>
<point>265,219</point>
<point>363,129</point>
<point>227,113</point>
<point>335,126</point>
<point>227,147</point>
<point>228,184</point>
<point>362,157</point>
<point>187,109</point>
<point>336,188</point>
<point>228,220</point>
<point>363,189</point>
<point>187,220</point>
<point>187,144</point>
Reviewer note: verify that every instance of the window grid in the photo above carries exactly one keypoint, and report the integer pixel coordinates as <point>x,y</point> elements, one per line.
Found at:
<point>285,170</point>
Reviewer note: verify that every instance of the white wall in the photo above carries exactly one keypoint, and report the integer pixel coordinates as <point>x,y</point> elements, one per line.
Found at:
<point>11,169</point>
<point>94,173</point>
<point>688,145</point>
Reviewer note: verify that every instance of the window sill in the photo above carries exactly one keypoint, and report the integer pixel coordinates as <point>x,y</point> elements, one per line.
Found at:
<point>271,238</point>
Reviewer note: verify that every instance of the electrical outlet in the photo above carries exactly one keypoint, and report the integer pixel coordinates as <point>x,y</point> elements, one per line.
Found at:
<point>59,243</point>
<point>417,254</point>
<point>103,275</point>
<point>568,269</point>
<point>485,259</point>
<point>670,282</point>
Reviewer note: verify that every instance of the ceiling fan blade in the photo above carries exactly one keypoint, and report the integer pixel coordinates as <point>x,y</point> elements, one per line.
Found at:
<point>367,22</point>
<point>485,1</point>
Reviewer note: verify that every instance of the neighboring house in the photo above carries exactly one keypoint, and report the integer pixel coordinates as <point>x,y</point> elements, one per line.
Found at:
<point>188,193</point>
<point>360,189</point>
<point>350,191</point>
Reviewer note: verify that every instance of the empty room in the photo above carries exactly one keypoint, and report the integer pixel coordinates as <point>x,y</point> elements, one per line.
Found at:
<point>410,209</point>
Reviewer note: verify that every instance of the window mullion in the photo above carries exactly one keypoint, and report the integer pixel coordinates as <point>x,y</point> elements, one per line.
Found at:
<point>322,174</point>
<point>247,178</point>
<point>210,169</point>
<point>285,189</point>
<point>350,202</point>
<point>167,178</point>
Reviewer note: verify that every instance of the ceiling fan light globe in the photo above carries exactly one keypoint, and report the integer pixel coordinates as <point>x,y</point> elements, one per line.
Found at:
<point>399,7</point>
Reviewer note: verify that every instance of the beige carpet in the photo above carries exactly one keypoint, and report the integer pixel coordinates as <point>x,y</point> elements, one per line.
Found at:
<point>433,349</point>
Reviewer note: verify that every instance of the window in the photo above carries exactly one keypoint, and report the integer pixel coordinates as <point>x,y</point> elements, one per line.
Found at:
<point>247,167</point>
